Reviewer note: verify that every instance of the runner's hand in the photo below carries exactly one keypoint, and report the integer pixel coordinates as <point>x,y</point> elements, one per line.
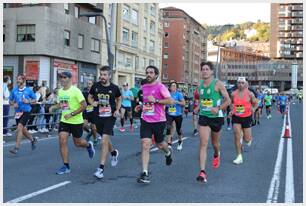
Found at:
<point>214,110</point>
<point>151,98</point>
<point>116,113</point>
<point>230,114</point>
<point>67,116</point>
<point>15,105</point>
<point>95,104</point>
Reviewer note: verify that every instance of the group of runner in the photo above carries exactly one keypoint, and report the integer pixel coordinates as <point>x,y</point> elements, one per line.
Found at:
<point>101,103</point>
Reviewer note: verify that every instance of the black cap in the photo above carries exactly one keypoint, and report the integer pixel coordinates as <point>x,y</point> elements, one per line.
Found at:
<point>66,74</point>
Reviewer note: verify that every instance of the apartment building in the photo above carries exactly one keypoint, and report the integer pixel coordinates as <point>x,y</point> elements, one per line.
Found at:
<point>184,48</point>
<point>42,40</point>
<point>136,40</point>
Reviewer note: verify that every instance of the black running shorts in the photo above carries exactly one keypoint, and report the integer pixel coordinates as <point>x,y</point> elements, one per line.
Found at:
<point>75,129</point>
<point>246,122</point>
<point>215,124</point>
<point>23,119</point>
<point>178,123</point>
<point>105,125</point>
<point>148,129</point>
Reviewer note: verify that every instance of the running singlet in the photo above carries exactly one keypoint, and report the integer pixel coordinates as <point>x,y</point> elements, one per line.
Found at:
<point>154,112</point>
<point>242,106</point>
<point>69,101</point>
<point>176,109</point>
<point>268,99</point>
<point>209,98</point>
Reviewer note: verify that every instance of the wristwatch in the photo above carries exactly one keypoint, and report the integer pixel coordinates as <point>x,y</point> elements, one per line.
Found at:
<point>72,113</point>
<point>156,100</point>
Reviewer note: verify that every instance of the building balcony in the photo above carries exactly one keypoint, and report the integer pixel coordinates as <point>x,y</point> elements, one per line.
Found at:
<point>297,8</point>
<point>297,14</point>
<point>297,21</point>
<point>299,55</point>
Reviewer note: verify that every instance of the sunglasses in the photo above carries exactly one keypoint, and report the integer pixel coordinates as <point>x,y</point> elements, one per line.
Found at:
<point>241,82</point>
<point>64,77</point>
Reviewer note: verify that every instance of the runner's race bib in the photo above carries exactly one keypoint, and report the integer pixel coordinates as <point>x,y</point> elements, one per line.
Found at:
<point>172,109</point>
<point>207,104</point>
<point>64,105</point>
<point>148,109</point>
<point>105,111</point>
<point>18,115</point>
<point>89,108</point>
<point>240,109</point>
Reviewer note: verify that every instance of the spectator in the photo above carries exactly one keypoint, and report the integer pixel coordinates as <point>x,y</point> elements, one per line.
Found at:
<point>6,104</point>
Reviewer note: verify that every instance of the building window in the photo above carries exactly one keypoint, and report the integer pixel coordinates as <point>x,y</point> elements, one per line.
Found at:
<point>95,45</point>
<point>165,66</point>
<point>166,45</point>
<point>144,43</point>
<point>166,56</point>
<point>146,7</point>
<point>165,75</point>
<point>144,62</point>
<point>166,24</point>
<point>67,38</point>
<point>152,27</point>
<point>81,41</point>
<point>66,7</point>
<point>92,19</point>
<point>134,17</point>
<point>166,34</point>
<point>152,46</point>
<point>125,35</point>
<point>153,10</point>
<point>76,11</point>
<point>134,39</point>
<point>145,24</point>
<point>25,33</point>
<point>151,62</point>
<point>126,12</point>
<point>128,61</point>
<point>137,62</point>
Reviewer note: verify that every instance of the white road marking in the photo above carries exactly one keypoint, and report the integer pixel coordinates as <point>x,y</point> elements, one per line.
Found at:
<point>25,197</point>
<point>289,186</point>
<point>155,148</point>
<point>274,185</point>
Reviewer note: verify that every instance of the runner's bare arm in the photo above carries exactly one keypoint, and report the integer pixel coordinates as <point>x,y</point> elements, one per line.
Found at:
<point>224,93</point>
<point>254,101</point>
<point>91,100</point>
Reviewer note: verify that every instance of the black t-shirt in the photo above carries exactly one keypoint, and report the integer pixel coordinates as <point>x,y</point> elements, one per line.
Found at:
<point>106,96</point>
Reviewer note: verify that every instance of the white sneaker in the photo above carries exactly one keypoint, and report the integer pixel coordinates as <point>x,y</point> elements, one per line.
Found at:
<point>248,143</point>
<point>114,159</point>
<point>180,146</point>
<point>8,134</point>
<point>40,130</point>
<point>99,173</point>
<point>99,137</point>
<point>45,130</point>
<point>238,160</point>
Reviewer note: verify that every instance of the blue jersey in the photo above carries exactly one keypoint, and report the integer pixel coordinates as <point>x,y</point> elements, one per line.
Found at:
<point>282,100</point>
<point>176,109</point>
<point>260,97</point>
<point>17,95</point>
<point>127,102</point>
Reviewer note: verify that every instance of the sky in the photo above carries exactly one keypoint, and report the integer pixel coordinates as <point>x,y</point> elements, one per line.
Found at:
<point>224,13</point>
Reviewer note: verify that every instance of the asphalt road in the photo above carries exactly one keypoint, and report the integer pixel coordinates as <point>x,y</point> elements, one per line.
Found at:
<point>30,175</point>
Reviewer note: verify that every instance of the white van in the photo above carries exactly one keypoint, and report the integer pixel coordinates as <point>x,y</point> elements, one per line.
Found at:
<point>271,90</point>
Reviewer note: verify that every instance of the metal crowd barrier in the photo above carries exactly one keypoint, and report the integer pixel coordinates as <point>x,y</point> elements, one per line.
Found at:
<point>51,123</point>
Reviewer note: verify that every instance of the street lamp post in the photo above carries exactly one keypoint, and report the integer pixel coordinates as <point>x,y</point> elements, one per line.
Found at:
<point>110,55</point>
